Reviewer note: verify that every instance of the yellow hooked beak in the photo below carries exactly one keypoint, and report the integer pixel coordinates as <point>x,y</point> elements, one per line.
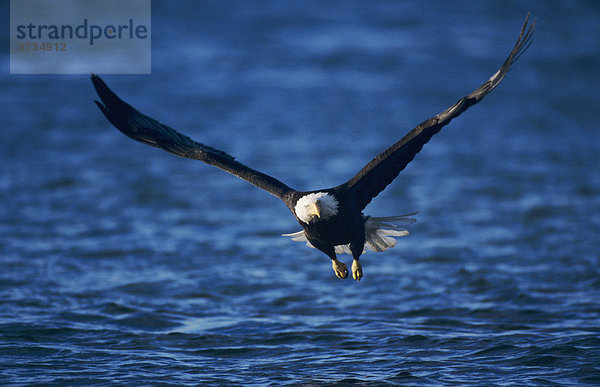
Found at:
<point>316,209</point>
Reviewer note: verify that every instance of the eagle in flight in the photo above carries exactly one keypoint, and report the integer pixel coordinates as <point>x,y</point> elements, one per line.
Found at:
<point>332,219</point>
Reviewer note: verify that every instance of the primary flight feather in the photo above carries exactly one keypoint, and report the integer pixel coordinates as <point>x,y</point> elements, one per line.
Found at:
<point>331,219</point>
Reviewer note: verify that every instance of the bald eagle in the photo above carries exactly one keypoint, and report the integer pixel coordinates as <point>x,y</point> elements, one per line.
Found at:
<point>332,219</point>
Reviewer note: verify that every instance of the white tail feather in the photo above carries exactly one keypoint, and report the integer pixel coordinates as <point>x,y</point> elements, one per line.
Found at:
<point>379,233</point>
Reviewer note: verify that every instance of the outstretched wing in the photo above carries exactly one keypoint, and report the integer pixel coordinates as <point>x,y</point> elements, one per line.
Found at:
<point>384,168</point>
<point>149,131</point>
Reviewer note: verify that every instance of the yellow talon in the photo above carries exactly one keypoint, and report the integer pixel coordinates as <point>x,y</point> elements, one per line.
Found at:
<point>339,268</point>
<point>357,272</point>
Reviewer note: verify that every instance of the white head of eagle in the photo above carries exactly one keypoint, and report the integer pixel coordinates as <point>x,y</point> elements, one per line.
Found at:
<point>314,206</point>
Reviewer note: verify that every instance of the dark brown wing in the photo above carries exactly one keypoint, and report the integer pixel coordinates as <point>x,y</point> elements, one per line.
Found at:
<point>149,131</point>
<point>384,168</point>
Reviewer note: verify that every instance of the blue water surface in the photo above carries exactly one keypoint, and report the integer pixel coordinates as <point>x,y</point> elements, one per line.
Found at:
<point>123,264</point>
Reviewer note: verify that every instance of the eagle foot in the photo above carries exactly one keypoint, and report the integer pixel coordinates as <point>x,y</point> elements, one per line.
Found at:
<point>357,272</point>
<point>340,269</point>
